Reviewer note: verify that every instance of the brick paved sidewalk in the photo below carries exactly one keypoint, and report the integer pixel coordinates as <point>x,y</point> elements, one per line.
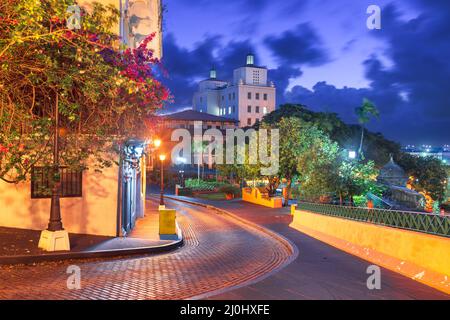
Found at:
<point>24,242</point>
<point>219,253</point>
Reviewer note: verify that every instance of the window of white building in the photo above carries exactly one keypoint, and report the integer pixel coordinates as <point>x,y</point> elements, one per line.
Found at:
<point>249,109</point>
<point>255,77</point>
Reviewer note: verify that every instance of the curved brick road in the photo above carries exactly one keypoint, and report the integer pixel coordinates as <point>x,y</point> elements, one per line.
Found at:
<point>219,253</point>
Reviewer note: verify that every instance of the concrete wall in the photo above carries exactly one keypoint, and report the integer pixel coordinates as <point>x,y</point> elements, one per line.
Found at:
<point>422,257</point>
<point>94,213</point>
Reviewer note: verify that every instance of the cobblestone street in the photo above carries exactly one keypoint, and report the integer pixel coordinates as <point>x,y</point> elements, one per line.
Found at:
<point>219,253</point>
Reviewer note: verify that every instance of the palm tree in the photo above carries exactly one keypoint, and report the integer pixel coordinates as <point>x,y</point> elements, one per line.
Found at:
<point>365,112</point>
<point>199,147</point>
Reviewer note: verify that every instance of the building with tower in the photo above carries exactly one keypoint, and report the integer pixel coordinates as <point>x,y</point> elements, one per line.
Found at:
<point>246,99</point>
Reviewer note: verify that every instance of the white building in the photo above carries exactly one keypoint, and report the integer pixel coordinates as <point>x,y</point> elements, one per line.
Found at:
<point>247,99</point>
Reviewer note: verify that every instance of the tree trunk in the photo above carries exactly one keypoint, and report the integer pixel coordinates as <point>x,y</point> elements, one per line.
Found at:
<point>198,172</point>
<point>362,140</point>
<point>288,192</point>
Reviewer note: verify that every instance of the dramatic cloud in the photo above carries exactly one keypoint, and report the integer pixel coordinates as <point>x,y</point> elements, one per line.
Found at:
<point>413,93</point>
<point>419,50</point>
<point>246,13</point>
<point>406,64</point>
<point>299,46</point>
<point>186,67</point>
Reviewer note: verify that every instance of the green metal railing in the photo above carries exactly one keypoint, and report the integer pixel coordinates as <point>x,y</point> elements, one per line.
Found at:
<point>416,221</point>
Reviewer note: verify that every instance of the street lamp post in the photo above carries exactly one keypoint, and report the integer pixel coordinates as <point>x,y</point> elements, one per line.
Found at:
<point>162,157</point>
<point>182,178</point>
<point>55,238</point>
<point>55,223</point>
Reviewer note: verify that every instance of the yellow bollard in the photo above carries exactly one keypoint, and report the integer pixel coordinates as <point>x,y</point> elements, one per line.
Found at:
<point>293,208</point>
<point>167,225</point>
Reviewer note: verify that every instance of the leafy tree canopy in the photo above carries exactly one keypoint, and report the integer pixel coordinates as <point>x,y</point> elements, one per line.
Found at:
<point>103,91</point>
<point>376,147</point>
<point>427,175</point>
<point>430,174</point>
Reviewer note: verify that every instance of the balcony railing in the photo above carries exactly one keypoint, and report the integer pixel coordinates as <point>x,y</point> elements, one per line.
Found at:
<point>416,221</point>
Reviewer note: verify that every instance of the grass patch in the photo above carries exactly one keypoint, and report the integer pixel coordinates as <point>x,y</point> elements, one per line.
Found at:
<point>212,196</point>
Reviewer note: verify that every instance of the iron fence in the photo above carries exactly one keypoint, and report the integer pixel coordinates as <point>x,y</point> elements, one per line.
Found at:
<point>416,221</point>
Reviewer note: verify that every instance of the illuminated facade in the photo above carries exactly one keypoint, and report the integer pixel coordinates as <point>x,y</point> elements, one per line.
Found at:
<point>247,99</point>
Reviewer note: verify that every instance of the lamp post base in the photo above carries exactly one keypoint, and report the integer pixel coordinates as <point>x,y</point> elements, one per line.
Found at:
<point>54,240</point>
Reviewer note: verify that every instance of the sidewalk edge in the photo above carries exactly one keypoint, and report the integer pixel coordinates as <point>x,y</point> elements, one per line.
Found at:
<point>34,259</point>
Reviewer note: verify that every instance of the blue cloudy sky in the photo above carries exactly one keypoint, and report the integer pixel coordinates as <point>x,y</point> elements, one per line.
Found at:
<point>321,54</point>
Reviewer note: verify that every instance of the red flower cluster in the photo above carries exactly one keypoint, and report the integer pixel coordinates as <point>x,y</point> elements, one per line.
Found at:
<point>137,65</point>
<point>3,149</point>
<point>8,21</point>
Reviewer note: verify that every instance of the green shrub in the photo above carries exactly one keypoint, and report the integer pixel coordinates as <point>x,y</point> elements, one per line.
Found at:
<point>201,185</point>
<point>230,189</point>
<point>187,192</point>
<point>360,201</point>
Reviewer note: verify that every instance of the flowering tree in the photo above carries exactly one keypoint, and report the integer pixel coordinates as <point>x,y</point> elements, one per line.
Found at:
<point>104,93</point>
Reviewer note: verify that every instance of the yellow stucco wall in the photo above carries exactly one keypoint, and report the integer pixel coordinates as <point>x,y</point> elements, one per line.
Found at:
<point>94,213</point>
<point>254,196</point>
<point>422,257</point>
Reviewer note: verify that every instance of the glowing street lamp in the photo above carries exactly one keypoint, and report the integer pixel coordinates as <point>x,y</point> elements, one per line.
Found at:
<point>162,157</point>
<point>157,143</point>
<point>352,154</point>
